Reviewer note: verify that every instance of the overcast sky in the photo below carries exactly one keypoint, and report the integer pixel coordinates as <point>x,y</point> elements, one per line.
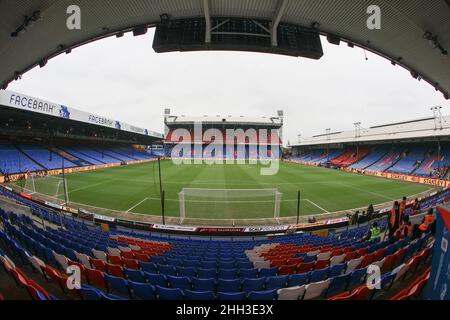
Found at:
<point>125,80</point>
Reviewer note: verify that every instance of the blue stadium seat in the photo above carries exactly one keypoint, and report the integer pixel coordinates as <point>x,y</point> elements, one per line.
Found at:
<point>276,282</point>
<point>208,264</point>
<point>248,273</point>
<point>308,259</point>
<point>356,278</point>
<point>111,296</point>
<point>206,273</point>
<point>117,284</point>
<point>169,293</point>
<point>337,270</point>
<point>227,265</point>
<point>143,291</point>
<point>244,265</point>
<point>268,272</point>
<point>199,295</point>
<point>203,284</point>
<point>231,296</point>
<point>182,283</point>
<point>299,279</point>
<point>253,284</point>
<point>135,275</point>
<point>319,275</point>
<point>338,284</point>
<point>228,273</point>
<point>263,295</point>
<point>186,271</point>
<point>158,260</point>
<point>191,263</point>
<point>148,267</point>
<point>167,270</point>
<point>226,286</point>
<point>156,279</point>
<point>90,293</point>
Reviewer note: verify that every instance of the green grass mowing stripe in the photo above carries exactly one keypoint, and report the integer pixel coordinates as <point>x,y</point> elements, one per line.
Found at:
<point>121,188</point>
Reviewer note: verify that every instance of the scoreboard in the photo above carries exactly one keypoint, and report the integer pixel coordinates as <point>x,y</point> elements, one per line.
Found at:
<point>237,34</point>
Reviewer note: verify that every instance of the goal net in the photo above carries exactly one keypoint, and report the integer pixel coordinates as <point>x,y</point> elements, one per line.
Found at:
<point>229,203</point>
<point>54,187</point>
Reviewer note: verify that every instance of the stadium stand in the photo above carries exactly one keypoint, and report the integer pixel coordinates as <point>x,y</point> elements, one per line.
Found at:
<point>370,159</point>
<point>355,157</point>
<point>387,161</point>
<point>44,157</point>
<point>14,161</point>
<point>21,158</point>
<point>125,265</point>
<point>435,162</point>
<point>410,160</point>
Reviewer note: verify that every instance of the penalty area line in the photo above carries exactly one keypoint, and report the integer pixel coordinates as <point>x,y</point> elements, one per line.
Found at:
<point>316,205</point>
<point>137,204</point>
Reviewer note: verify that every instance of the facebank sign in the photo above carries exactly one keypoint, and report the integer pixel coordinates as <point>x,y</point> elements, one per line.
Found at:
<point>24,102</point>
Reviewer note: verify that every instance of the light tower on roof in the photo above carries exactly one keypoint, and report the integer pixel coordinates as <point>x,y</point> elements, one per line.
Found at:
<point>166,116</point>
<point>280,114</point>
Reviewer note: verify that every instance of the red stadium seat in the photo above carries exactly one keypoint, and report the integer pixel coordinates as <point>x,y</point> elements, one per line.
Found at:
<point>98,264</point>
<point>378,255</point>
<point>388,263</point>
<point>350,256</point>
<point>294,261</point>
<point>20,277</point>
<point>360,293</point>
<point>142,257</point>
<point>367,259</point>
<point>131,263</point>
<point>321,264</point>
<point>277,263</point>
<point>305,267</point>
<point>128,254</point>
<point>287,269</point>
<point>362,252</point>
<point>114,259</point>
<point>415,289</point>
<point>399,255</point>
<point>55,275</point>
<point>82,268</point>
<point>95,277</point>
<point>337,252</point>
<point>115,270</point>
<point>36,291</point>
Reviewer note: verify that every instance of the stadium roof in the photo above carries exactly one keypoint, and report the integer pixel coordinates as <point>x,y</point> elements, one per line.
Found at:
<point>424,128</point>
<point>410,30</point>
<point>20,101</point>
<point>224,119</point>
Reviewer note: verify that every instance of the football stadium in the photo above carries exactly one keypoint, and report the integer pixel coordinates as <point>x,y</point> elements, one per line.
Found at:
<point>181,205</point>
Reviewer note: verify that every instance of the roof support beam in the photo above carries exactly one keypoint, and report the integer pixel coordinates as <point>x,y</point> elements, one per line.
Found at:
<point>277,15</point>
<point>207,20</point>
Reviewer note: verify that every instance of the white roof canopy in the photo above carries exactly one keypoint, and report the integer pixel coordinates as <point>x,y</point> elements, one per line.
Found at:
<point>411,129</point>
<point>401,38</point>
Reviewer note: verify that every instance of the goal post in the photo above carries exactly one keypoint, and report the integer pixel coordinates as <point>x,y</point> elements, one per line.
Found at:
<point>206,203</point>
<point>54,187</point>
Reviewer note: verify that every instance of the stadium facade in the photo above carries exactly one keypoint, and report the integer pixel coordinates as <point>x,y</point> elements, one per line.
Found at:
<point>42,136</point>
<point>415,150</point>
<point>223,137</point>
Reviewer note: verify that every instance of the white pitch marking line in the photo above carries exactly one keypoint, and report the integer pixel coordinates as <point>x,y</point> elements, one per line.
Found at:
<point>316,205</point>
<point>136,205</point>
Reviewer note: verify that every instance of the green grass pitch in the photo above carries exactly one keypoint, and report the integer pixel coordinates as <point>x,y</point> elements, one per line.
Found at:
<point>135,188</point>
